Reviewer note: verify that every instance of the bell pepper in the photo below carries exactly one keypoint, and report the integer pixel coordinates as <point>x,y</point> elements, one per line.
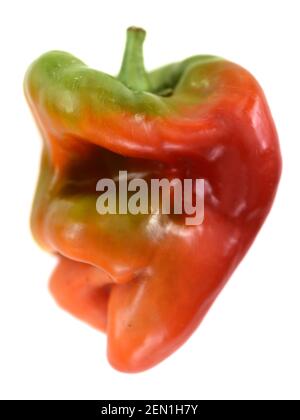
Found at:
<point>148,280</point>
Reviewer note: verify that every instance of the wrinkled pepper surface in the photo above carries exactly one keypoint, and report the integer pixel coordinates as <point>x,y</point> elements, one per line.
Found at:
<point>148,280</point>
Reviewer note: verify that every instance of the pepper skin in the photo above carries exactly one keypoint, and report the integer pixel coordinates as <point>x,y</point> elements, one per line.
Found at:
<point>148,280</point>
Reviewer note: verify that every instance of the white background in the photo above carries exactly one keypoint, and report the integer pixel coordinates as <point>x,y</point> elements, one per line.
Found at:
<point>248,347</point>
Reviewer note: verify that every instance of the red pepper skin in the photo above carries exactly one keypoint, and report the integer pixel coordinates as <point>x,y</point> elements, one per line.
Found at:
<point>82,290</point>
<point>149,280</point>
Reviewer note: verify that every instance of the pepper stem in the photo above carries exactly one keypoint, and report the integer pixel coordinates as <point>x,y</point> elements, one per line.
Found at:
<point>133,73</point>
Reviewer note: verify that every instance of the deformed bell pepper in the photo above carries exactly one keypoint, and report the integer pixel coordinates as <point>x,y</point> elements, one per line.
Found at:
<point>148,280</point>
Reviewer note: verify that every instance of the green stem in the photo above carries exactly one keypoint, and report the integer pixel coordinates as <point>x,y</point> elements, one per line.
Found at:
<point>133,73</point>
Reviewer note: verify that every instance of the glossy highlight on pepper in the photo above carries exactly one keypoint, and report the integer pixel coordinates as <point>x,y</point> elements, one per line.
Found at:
<point>148,280</point>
